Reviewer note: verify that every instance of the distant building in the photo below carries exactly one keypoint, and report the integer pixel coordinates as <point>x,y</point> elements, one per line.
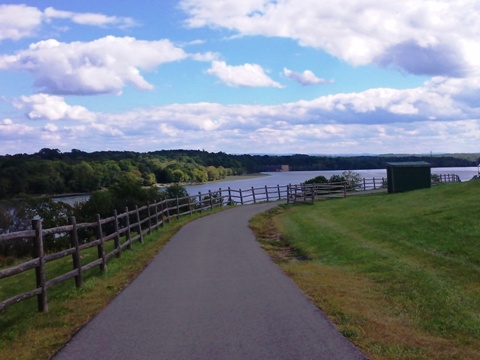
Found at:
<point>273,168</point>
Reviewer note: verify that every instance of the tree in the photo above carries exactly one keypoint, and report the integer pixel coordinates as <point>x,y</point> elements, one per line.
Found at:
<point>353,179</point>
<point>212,173</point>
<point>317,180</point>
<point>84,178</point>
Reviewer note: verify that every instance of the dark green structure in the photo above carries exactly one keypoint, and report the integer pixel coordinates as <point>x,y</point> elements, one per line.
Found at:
<point>407,176</point>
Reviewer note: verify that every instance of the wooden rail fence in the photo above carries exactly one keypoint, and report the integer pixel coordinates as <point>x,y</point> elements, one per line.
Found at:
<point>121,231</point>
<point>446,178</point>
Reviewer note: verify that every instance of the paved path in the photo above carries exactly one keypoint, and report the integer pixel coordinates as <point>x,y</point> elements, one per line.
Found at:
<point>211,293</point>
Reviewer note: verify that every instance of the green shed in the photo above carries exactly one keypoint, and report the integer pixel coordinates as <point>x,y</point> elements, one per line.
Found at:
<point>407,176</point>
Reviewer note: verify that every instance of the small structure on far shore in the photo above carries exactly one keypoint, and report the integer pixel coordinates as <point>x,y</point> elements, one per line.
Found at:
<point>273,168</point>
<point>407,176</point>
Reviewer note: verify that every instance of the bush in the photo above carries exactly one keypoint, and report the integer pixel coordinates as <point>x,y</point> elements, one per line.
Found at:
<point>317,180</point>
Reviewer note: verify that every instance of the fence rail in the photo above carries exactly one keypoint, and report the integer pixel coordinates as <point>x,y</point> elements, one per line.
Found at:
<point>445,178</point>
<point>121,231</point>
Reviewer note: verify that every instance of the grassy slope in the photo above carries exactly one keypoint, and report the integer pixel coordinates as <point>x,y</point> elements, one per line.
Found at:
<point>399,273</point>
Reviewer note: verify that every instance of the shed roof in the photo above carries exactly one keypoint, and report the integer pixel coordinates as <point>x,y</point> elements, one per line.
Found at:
<point>409,164</point>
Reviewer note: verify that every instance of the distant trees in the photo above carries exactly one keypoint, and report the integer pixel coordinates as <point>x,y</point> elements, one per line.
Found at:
<point>50,171</point>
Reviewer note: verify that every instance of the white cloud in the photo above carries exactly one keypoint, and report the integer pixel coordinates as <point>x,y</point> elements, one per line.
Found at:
<point>93,19</point>
<point>305,78</point>
<point>433,117</point>
<point>49,107</point>
<point>431,37</point>
<point>247,75</point>
<point>207,56</point>
<point>50,127</point>
<point>105,65</point>
<point>19,21</point>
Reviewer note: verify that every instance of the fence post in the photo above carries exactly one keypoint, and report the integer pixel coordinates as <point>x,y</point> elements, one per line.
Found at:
<point>253,195</point>
<point>230,201</point>
<point>40,269</point>
<point>161,214</point>
<point>149,218</point>
<point>129,234</point>
<point>374,185</point>
<point>200,201</point>
<point>167,209</point>
<point>140,232</point>
<point>117,235</point>
<point>288,194</point>
<point>178,207</point>
<point>279,195</point>
<point>364,185</point>
<point>101,247</point>
<point>241,196</point>
<point>344,191</point>
<point>156,215</point>
<point>266,192</point>
<point>77,265</point>
<point>211,200</point>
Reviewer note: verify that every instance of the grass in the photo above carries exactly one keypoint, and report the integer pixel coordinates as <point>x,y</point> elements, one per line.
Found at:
<point>398,273</point>
<point>27,334</point>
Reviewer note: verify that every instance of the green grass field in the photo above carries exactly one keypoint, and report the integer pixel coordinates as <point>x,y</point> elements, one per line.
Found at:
<point>398,273</point>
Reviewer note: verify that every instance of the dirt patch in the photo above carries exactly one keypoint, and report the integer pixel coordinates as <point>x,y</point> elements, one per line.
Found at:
<point>272,241</point>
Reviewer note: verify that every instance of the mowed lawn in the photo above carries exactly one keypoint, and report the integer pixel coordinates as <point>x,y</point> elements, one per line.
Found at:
<point>398,273</point>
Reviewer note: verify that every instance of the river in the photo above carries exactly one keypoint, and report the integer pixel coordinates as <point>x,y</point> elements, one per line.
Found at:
<point>297,177</point>
<point>291,177</point>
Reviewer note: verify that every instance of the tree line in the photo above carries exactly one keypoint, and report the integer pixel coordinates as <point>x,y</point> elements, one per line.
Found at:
<point>52,172</point>
<point>17,214</point>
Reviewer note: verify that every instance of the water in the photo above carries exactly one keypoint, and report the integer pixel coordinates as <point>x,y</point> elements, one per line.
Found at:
<point>284,178</point>
<point>296,177</point>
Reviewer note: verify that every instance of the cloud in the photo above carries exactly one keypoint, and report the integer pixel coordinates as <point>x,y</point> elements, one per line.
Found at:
<point>247,75</point>
<point>19,21</point>
<point>305,78</point>
<point>433,37</point>
<point>102,66</point>
<point>93,19</point>
<point>206,57</point>
<point>48,107</point>
<point>440,116</point>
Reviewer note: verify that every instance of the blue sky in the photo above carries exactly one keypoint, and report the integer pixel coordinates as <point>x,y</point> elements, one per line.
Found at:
<point>250,76</point>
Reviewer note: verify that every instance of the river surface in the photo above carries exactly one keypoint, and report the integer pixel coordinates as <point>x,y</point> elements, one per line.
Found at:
<point>271,179</point>
<point>297,177</point>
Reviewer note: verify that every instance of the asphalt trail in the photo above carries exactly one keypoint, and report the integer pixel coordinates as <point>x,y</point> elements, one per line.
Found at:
<point>211,293</point>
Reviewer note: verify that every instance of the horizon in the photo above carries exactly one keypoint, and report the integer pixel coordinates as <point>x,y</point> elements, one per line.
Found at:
<point>241,77</point>
<point>258,154</point>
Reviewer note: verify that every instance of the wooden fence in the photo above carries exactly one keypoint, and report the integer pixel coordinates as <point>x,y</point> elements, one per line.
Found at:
<point>120,231</point>
<point>446,178</point>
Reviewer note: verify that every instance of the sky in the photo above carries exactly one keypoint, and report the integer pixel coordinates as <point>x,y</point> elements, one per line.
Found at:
<point>240,76</point>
